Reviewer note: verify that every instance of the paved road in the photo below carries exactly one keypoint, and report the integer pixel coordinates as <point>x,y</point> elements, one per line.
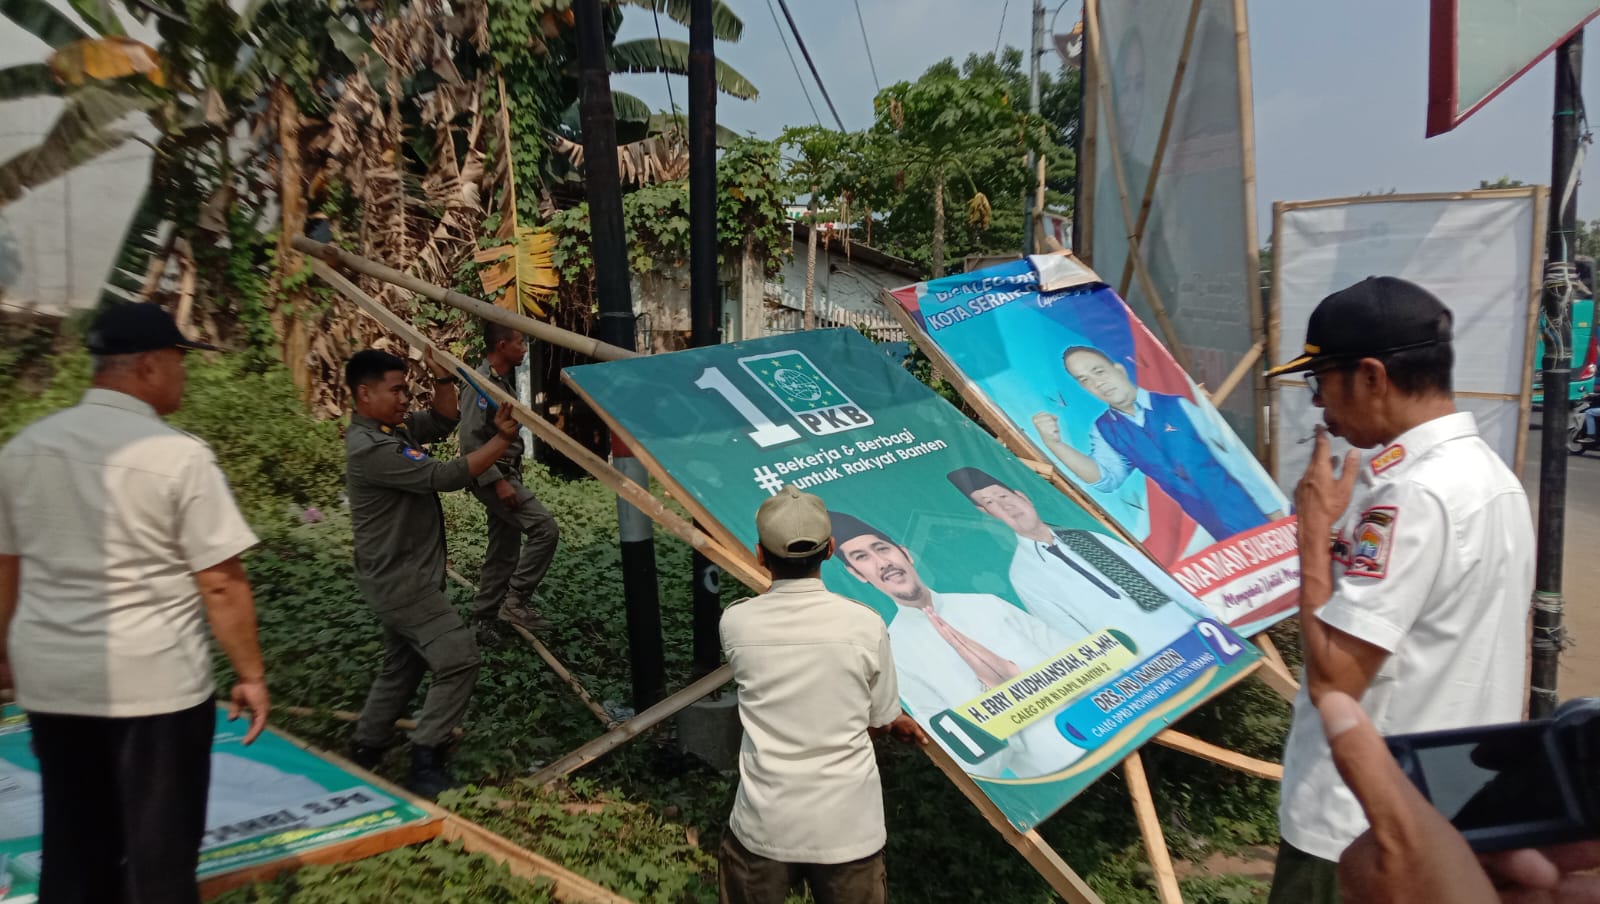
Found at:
<point>1580,664</point>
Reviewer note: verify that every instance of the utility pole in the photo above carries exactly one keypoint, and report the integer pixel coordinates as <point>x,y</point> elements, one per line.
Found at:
<point>1560,275</point>
<point>1030,221</point>
<point>646,651</point>
<point>705,301</point>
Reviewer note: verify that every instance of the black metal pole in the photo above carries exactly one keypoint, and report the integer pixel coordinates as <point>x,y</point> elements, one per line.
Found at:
<point>705,300</point>
<point>646,651</point>
<point>1560,253</point>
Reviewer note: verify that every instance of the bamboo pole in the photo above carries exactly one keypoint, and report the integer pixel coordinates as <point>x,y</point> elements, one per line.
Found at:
<point>538,329</point>
<point>1083,215</point>
<point>1161,141</point>
<point>549,660</point>
<point>1222,756</point>
<point>627,731</point>
<point>1237,375</point>
<point>1155,843</point>
<point>1135,252</point>
<point>638,496</point>
<point>1252,250</point>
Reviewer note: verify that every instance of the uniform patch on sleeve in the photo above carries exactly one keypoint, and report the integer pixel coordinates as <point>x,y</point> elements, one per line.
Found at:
<point>1374,538</point>
<point>483,403</point>
<point>1388,458</point>
<point>414,454</point>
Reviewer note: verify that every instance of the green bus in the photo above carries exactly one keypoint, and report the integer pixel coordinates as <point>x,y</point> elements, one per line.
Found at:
<point>1585,345</point>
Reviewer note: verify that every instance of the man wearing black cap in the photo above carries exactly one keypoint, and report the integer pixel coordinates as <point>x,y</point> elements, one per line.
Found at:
<point>119,541</point>
<point>1080,581</point>
<point>1416,560</point>
<point>393,485</point>
<point>953,647</point>
<point>815,677</point>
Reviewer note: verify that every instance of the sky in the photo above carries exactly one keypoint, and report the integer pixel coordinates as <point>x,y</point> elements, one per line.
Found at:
<point>1340,88</point>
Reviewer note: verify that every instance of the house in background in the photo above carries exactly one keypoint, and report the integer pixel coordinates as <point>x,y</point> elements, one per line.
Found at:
<point>846,288</point>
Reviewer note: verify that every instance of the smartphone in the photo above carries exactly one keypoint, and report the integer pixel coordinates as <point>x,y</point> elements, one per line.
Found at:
<point>1523,784</point>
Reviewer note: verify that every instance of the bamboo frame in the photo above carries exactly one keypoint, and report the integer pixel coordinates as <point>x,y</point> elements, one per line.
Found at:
<point>1135,249</point>
<point>1252,249</point>
<point>538,329</point>
<point>1222,756</point>
<point>1274,348</point>
<point>1161,141</point>
<point>565,885</point>
<point>627,731</point>
<point>550,660</point>
<point>1237,375</point>
<point>1541,206</point>
<point>1155,843</point>
<point>1537,194</point>
<point>597,467</point>
<point>1088,150</point>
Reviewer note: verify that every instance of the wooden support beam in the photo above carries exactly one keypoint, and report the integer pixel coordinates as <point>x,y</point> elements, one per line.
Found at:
<point>538,329</point>
<point>1155,843</point>
<point>565,885</point>
<point>1275,672</point>
<point>1239,372</point>
<point>550,660</point>
<point>740,567</point>
<point>1161,140</point>
<point>632,728</point>
<point>1222,756</point>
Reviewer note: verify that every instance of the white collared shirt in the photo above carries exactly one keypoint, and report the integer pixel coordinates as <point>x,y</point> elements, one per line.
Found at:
<point>814,671</point>
<point>1065,599</point>
<point>113,512</point>
<point>934,677</point>
<point>1433,561</point>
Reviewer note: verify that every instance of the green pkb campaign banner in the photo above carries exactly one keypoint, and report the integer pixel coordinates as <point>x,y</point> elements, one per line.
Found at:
<point>266,802</point>
<point>1036,647</point>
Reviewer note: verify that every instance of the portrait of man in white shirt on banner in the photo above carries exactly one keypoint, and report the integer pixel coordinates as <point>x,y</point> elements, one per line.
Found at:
<point>1080,581</point>
<point>952,647</point>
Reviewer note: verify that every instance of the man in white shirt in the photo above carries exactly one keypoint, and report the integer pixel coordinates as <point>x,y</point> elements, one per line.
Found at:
<point>815,678</point>
<point>954,647</point>
<point>1080,581</point>
<point>1416,561</point>
<point>119,541</point>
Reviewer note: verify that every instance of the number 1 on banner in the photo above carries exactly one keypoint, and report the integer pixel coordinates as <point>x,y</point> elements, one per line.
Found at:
<point>967,743</point>
<point>766,433</point>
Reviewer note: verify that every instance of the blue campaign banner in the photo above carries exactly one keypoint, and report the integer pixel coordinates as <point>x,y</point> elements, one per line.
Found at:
<point>1006,602</point>
<point>1074,372</point>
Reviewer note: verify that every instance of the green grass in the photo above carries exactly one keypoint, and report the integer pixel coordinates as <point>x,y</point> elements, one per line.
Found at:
<point>646,819</point>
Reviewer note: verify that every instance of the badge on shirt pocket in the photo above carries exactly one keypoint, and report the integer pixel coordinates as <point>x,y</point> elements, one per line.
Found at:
<point>483,403</point>
<point>1374,537</point>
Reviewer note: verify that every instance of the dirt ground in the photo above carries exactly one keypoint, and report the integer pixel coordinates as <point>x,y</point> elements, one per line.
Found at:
<point>1580,580</point>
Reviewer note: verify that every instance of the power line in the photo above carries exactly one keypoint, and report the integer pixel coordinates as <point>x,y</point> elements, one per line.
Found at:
<point>863,23</point>
<point>798,77</point>
<point>661,47</point>
<point>783,5</point>
<point>1002,29</point>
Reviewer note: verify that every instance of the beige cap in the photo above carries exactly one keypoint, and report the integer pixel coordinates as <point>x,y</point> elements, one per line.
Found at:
<point>792,524</point>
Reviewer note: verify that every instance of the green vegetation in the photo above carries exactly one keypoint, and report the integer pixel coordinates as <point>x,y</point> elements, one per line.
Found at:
<point>424,874</point>
<point>646,819</point>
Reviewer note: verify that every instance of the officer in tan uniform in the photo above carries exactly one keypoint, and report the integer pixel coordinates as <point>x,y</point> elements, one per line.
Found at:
<point>393,485</point>
<point>522,532</point>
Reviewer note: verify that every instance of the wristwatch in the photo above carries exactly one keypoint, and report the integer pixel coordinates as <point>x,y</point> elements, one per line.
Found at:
<point>449,379</point>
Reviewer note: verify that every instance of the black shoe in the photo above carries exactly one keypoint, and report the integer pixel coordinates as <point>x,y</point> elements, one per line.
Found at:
<point>430,772</point>
<point>492,634</point>
<point>365,756</point>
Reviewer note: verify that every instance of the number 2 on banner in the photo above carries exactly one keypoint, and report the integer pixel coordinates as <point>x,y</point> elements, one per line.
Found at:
<point>766,433</point>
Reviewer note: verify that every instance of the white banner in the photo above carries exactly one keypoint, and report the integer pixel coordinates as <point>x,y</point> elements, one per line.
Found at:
<point>1477,251</point>
<point>1199,241</point>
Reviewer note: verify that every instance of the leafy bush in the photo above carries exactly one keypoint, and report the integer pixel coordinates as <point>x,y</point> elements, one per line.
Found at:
<point>274,454</point>
<point>435,873</point>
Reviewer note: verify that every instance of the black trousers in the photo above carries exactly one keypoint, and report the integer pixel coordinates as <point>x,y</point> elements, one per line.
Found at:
<point>124,805</point>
